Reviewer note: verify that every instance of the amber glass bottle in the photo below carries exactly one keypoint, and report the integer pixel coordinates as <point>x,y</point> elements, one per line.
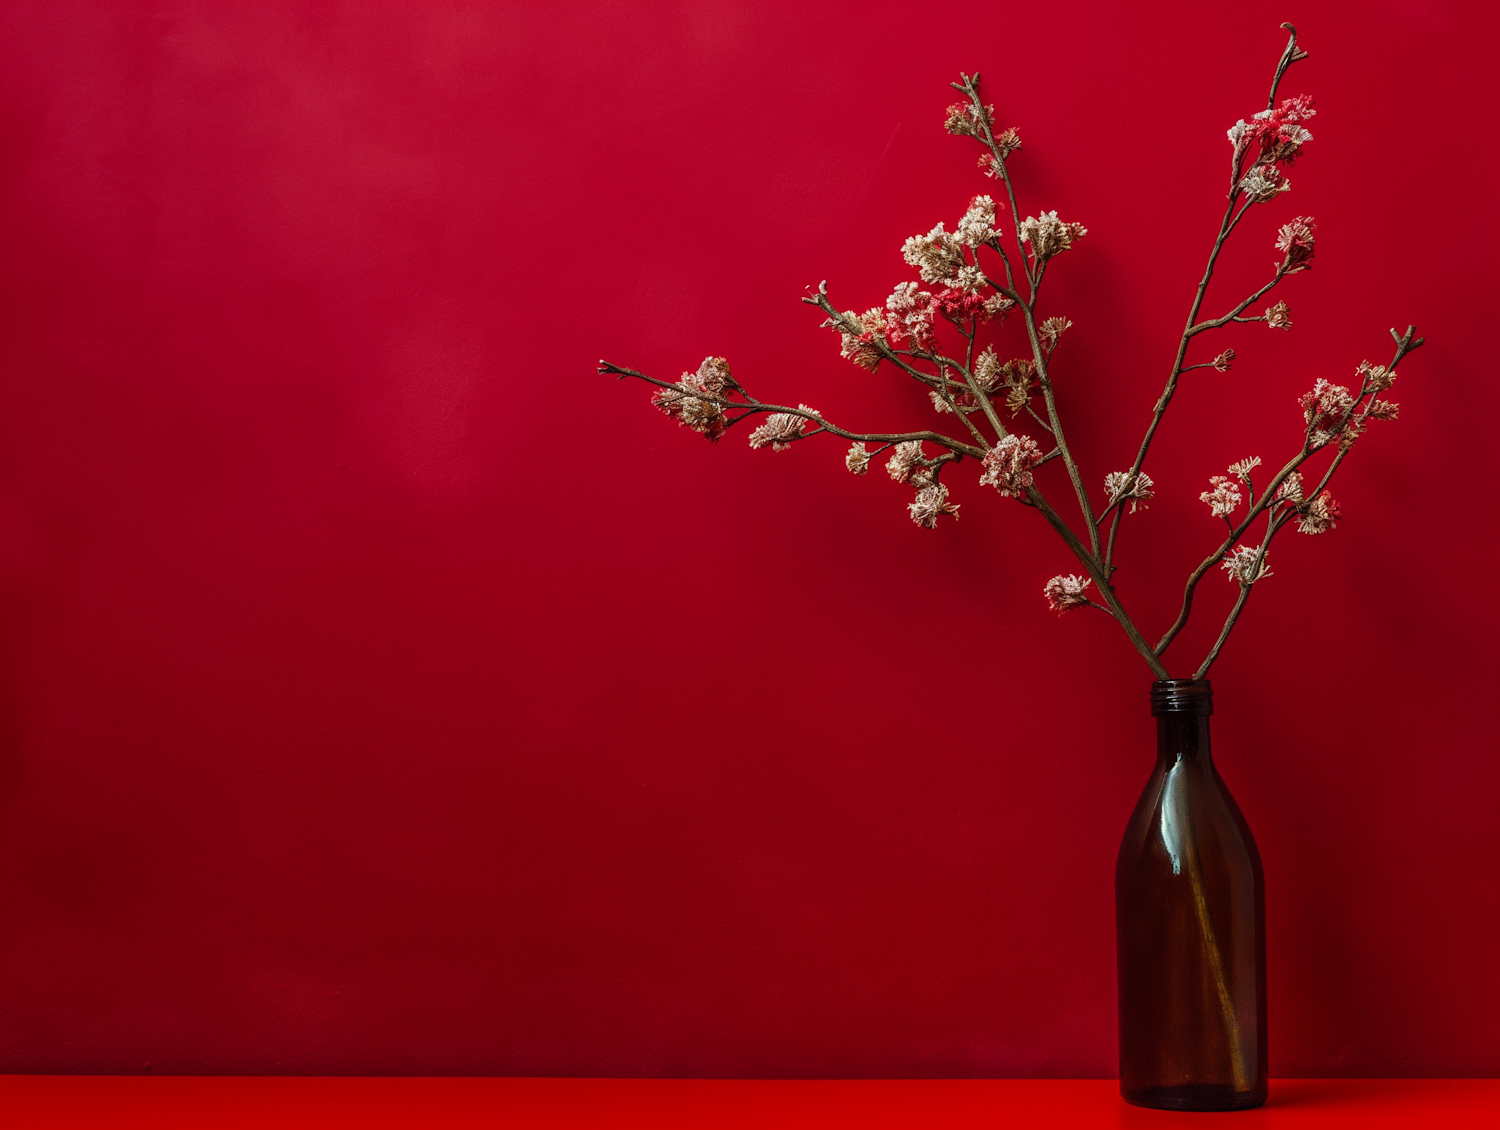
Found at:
<point>1190,922</point>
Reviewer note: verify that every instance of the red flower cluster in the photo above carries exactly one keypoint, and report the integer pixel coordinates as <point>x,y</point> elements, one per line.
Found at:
<point>960,305</point>
<point>1280,132</point>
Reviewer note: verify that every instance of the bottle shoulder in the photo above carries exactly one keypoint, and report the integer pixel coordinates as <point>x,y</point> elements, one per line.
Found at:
<point>1186,807</point>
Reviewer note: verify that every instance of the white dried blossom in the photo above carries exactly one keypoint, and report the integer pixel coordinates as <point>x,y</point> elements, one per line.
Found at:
<point>1048,235</point>
<point>930,503</point>
<point>1320,515</point>
<point>1065,592</point>
<point>937,255</point>
<point>1352,431</point>
<point>903,299</point>
<point>712,376</point>
<point>1374,378</point>
<point>780,429</point>
<point>1020,375</point>
<point>964,402</point>
<point>858,459</point>
<point>1008,465</point>
<point>1223,361</point>
<point>968,120</point>
<point>865,354</point>
<point>700,415</point>
<point>910,312</point>
<point>1007,141</point>
<point>694,400</point>
<point>970,279</point>
<point>1264,182</point>
<point>1239,135</point>
<point>1241,470</point>
<point>904,459</point>
<point>1277,317</point>
<point>1246,565</point>
<point>1120,488</point>
<point>1296,241</point>
<point>1290,489</point>
<point>1325,410</point>
<point>978,224</point>
<point>1052,329</point>
<point>1223,498</point>
<point>987,369</point>
<point>861,337</point>
<point>997,305</point>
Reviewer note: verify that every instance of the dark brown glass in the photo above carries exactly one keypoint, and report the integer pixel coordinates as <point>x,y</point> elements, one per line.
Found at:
<point>1190,925</point>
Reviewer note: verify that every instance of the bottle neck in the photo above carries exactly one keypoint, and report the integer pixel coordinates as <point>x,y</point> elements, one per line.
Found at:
<point>1182,708</point>
<point>1182,737</point>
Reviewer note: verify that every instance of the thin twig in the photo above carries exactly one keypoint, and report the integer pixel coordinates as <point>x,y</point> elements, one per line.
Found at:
<point>1289,56</point>
<point>757,407</point>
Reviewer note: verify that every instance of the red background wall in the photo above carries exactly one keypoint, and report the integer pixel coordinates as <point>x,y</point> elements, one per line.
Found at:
<point>384,691</point>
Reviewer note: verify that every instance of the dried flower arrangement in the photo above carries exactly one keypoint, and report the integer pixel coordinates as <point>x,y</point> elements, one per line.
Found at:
<point>975,386</point>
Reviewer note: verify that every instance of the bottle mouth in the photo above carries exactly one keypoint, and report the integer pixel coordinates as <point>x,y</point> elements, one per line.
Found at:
<point>1182,696</point>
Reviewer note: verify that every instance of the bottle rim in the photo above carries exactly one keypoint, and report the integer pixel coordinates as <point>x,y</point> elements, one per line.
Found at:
<point>1182,696</point>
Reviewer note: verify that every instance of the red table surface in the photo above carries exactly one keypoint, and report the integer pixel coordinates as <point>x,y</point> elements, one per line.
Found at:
<point>163,1102</point>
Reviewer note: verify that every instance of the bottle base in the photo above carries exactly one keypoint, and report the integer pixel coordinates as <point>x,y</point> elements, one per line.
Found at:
<point>1195,1096</point>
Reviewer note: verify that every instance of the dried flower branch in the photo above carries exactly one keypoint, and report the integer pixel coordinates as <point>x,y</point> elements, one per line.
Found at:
<point>932,337</point>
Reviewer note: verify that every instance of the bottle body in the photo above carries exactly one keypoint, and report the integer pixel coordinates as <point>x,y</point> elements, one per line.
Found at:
<point>1190,927</point>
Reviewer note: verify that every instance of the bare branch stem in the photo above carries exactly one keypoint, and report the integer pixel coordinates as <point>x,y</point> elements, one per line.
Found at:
<point>758,406</point>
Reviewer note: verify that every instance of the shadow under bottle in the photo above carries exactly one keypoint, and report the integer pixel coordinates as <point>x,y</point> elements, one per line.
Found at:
<point>1190,924</point>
